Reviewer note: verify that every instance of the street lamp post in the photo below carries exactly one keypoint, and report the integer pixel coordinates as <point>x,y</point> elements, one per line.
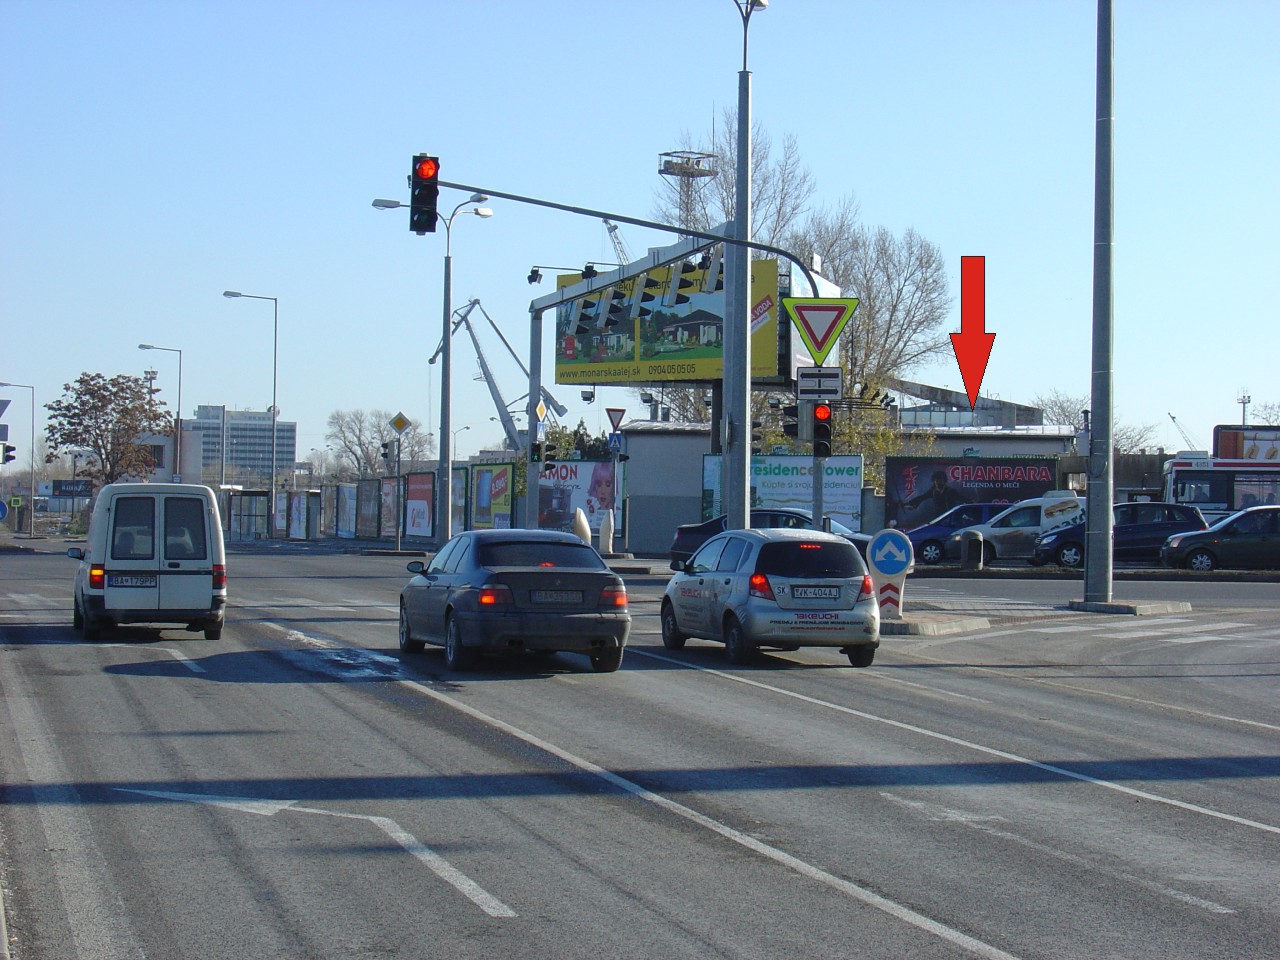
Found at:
<point>444,506</point>
<point>275,410</point>
<point>177,419</point>
<point>31,507</point>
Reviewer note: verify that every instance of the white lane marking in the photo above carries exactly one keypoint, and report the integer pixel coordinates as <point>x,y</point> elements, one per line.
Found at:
<point>984,824</point>
<point>852,890</point>
<point>970,745</point>
<point>437,864</point>
<point>1146,631</point>
<point>178,655</point>
<point>933,690</point>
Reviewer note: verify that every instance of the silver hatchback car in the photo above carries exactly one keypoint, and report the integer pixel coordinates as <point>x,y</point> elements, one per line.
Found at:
<point>774,588</point>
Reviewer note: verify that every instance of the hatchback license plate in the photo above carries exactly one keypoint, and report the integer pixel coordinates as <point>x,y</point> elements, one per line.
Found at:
<point>816,593</point>
<point>131,580</point>
<point>555,596</point>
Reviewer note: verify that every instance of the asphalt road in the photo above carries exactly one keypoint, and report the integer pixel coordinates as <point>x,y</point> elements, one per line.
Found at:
<point>1057,785</point>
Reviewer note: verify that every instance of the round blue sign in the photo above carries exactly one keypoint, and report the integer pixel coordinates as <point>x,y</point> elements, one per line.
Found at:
<point>890,553</point>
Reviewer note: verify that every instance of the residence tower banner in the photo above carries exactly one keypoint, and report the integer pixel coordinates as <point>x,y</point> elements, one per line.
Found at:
<point>787,481</point>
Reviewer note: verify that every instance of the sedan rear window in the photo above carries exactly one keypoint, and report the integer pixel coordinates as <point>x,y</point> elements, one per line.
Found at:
<point>535,553</point>
<point>809,559</point>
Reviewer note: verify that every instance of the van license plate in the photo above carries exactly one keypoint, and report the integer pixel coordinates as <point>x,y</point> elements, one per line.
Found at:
<point>131,580</point>
<point>816,593</point>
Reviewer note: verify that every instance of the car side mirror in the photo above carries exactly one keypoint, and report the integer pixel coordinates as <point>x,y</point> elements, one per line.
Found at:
<point>75,553</point>
<point>415,566</point>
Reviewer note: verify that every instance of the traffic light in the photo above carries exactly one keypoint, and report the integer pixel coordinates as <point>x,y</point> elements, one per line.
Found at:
<point>386,451</point>
<point>757,436</point>
<point>791,421</point>
<point>424,190</point>
<point>10,453</point>
<point>548,456</point>
<point>535,451</point>
<point>822,429</point>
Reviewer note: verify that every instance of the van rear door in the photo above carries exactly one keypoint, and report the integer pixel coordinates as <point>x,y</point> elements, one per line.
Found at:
<point>133,562</point>
<point>186,564</point>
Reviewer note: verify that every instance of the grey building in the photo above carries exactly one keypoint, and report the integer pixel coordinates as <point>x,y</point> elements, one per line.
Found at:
<point>236,445</point>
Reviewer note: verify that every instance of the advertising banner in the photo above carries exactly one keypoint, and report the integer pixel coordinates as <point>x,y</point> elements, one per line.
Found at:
<point>920,489</point>
<point>387,518</point>
<point>787,481</point>
<point>491,487</point>
<point>368,507</point>
<point>459,490</point>
<point>419,498</point>
<point>571,484</point>
<point>298,515</point>
<point>346,521</point>
<point>664,325</point>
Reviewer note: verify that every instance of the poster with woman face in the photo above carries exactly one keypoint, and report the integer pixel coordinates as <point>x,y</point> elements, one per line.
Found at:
<point>570,485</point>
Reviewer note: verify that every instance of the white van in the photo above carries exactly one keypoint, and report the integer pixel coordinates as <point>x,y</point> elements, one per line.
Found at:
<point>1011,534</point>
<point>155,555</point>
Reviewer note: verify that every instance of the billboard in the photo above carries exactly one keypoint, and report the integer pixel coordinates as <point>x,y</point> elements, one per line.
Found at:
<point>491,489</point>
<point>1244,443</point>
<point>787,481</point>
<point>573,484</point>
<point>665,324</point>
<point>919,489</point>
<point>419,499</point>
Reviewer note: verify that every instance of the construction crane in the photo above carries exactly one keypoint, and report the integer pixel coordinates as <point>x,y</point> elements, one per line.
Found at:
<point>619,245</point>
<point>463,315</point>
<point>1186,437</point>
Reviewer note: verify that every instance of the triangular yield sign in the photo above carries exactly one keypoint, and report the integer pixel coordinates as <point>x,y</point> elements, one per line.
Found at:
<point>819,322</point>
<point>615,416</point>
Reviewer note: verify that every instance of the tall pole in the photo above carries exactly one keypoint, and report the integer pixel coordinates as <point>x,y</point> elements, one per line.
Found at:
<point>275,410</point>
<point>533,471</point>
<point>444,505</point>
<point>1099,522</point>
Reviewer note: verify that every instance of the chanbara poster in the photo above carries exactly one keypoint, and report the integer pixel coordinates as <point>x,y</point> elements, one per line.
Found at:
<point>921,489</point>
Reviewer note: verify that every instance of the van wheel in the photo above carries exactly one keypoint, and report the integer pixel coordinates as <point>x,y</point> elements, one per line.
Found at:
<point>931,551</point>
<point>213,631</point>
<point>861,656</point>
<point>672,638</point>
<point>607,661</point>
<point>737,645</point>
<point>1070,555</point>
<point>456,656</point>
<point>407,643</point>
<point>92,630</point>
<point>1201,560</point>
<point>77,618</point>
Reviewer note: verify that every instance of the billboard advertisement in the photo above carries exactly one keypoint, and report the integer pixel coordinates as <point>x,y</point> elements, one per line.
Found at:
<point>1242,443</point>
<point>573,484</point>
<point>787,481</point>
<point>664,325</point>
<point>491,488</point>
<point>419,497</point>
<point>919,489</point>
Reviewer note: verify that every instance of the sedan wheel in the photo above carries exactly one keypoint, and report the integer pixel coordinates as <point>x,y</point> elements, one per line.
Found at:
<point>931,551</point>
<point>456,656</point>
<point>607,661</point>
<point>737,646</point>
<point>861,656</point>
<point>672,638</point>
<point>1071,555</point>
<point>1201,560</point>
<point>407,643</point>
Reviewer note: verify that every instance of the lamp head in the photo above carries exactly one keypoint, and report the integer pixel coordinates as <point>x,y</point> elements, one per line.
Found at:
<point>482,212</point>
<point>146,346</point>
<point>232,293</point>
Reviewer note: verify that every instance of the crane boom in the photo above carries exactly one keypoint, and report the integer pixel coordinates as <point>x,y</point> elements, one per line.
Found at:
<point>1186,437</point>
<point>619,245</point>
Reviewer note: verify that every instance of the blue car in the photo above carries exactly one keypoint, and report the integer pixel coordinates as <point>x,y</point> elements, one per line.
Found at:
<point>927,540</point>
<point>1137,534</point>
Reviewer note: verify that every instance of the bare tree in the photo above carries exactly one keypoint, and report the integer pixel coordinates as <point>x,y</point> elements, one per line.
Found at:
<point>356,439</point>
<point>1065,408</point>
<point>1266,414</point>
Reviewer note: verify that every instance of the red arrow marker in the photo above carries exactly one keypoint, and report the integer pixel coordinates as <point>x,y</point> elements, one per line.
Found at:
<point>973,344</point>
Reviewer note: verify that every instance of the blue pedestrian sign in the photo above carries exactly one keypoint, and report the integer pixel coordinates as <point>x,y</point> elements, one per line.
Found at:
<point>615,442</point>
<point>890,553</point>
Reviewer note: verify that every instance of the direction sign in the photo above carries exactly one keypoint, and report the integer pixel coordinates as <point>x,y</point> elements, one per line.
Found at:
<point>615,416</point>
<point>819,383</point>
<point>819,321</point>
<point>890,552</point>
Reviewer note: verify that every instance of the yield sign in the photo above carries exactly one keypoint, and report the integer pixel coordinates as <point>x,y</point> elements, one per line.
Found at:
<point>615,416</point>
<point>819,322</point>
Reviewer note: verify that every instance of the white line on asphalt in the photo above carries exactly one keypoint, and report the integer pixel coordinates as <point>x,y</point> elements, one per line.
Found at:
<point>178,655</point>
<point>1146,631</point>
<point>933,690</point>
<point>969,744</point>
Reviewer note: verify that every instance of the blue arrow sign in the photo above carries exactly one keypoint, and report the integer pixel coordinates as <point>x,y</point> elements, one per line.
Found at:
<point>890,552</point>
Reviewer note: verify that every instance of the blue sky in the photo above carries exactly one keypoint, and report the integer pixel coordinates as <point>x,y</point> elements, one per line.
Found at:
<point>154,154</point>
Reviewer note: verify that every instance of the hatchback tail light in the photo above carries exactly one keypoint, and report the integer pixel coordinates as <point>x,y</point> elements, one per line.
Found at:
<point>760,587</point>
<point>97,576</point>
<point>613,596</point>
<point>219,576</point>
<point>495,595</point>
<point>868,588</point>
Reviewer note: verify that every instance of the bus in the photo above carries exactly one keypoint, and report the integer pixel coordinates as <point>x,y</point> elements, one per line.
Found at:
<point>1219,487</point>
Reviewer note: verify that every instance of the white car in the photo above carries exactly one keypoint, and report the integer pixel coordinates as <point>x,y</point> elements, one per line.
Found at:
<point>774,588</point>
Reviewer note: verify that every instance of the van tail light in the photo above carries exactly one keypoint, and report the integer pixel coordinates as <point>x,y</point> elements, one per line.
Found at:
<point>219,576</point>
<point>868,588</point>
<point>613,596</point>
<point>495,595</point>
<point>760,587</point>
<point>97,576</point>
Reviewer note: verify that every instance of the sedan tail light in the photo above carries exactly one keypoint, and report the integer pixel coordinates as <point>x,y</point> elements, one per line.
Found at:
<point>97,576</point>
<point>868,588</point>
<point>495,595</point>
<point>613,596</point>
<point>760,587</point>
<point>219,576</point>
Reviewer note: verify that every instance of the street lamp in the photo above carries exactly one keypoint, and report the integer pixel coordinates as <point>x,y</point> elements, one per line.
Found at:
<point>275,411</point>
<point>460,429</point>
<point>32,505</point>
<point>177,419</point>
<point>444,518</point>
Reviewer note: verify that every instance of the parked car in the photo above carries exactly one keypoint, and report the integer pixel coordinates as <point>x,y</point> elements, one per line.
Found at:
<point>154,554</point>
<point>1248,539</point>
<point>537,590</point>
<point>928,539</point>
<point>690,536</point>
<point>1011,533</point>
<point>774,588</point>
<point>1138,532</point>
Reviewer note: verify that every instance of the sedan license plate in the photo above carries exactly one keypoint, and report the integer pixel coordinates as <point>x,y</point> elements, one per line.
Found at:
<point>131,580</point>
<point>555,596</point>
<point>816,593</point>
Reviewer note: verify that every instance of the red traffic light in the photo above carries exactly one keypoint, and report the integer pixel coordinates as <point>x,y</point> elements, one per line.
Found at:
<point>822,411</point>
<point>428,168</point>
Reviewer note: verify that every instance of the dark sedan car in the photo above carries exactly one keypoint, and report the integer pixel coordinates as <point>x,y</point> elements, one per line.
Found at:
<point>1249,539</point>
<point>537,590</point>
<point>1138,533</point>
<point>928,540</point>
<point>690,536</point>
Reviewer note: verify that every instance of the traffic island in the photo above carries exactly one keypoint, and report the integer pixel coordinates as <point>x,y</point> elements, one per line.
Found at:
<point>1141,608</point>
<point>931,625</point>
